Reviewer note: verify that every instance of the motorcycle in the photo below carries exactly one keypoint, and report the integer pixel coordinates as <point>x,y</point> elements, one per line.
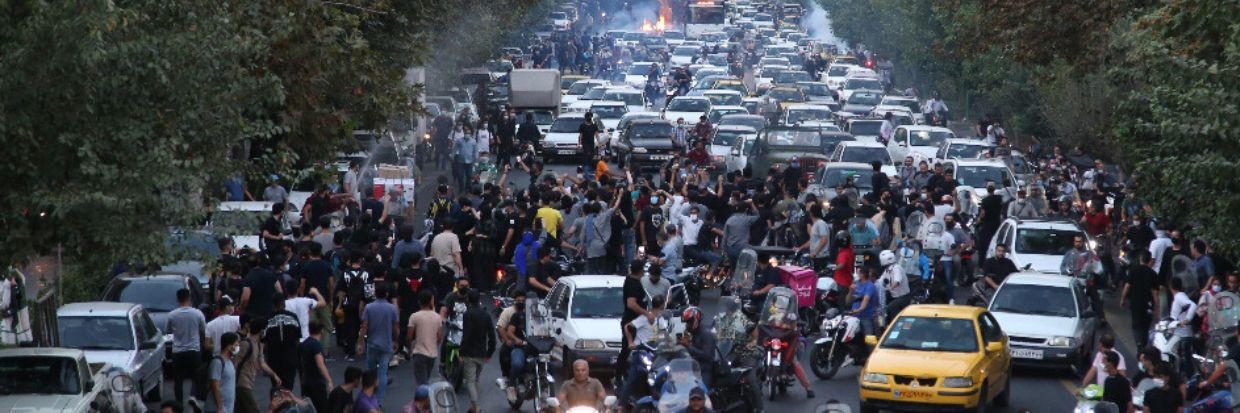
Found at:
<point>536,383</point>
<point>840,336</point>
<point>654,355</point>
<point>609,406</point>
<point>692,278</point>
<point>451,367</point>
<point>674,381</point>
<point>778,322</point>
<point>731,390</point>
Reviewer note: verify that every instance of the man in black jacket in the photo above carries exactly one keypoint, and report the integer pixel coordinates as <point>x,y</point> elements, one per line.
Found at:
<point>528,131</point>
<point>506,130</point>
<point>478,342</point>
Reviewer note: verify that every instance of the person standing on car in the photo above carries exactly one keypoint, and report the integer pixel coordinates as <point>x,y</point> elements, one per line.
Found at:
<point>188,328</point>
<point>587,137</point>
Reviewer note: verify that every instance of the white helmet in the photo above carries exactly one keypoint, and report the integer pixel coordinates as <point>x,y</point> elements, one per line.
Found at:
<point>886,258</point>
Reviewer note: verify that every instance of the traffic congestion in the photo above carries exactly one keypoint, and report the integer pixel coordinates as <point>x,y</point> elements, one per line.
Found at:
<point>663,206</point>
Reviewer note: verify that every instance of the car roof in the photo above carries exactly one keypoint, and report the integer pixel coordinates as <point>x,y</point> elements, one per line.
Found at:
<point>158,276</point>
<point>572,115</point>
<point>849,165</point>
<point>42,351</point>
<point>807,106</point>
<point>1039,279</point>
<point>943,311</point>
<point>593,281</point>
<point>691,98</point>
<point>721,92</point>
<point>608,103</point>
<point>926,128</point>
<point>966,141</point>
<point>863,144</point>
<point>742,116</point>
<point>728,107</point>
<point>735,128</point>
<point>96,308</point>
<point>1059,224</point>
<point>978,162</point>
<point>635,115</point>
<point>253,206</point>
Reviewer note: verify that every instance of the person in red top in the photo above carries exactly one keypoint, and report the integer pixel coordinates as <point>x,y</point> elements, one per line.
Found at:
<point>699,155</point>
<point>703,129</point>
<point>1096,222</point>
<point>843,260</point>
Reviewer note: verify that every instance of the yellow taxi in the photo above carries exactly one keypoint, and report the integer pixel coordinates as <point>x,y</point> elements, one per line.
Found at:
<point>937,357</point>
<point>845,59</point>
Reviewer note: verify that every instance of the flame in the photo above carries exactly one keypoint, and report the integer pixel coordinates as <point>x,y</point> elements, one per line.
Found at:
<point>657,27</point>
<point>646,26</point>
<point>661,25</point>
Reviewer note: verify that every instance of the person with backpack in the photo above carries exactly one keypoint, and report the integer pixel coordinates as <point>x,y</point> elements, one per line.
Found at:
<point>441,206</point>
<point>223,376</point>
<point>249,361</point>
<point>351,296</point>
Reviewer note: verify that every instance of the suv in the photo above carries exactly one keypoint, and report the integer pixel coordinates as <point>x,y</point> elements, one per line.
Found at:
<point>1039,243</point>
<point>1048,320</point>
<point>646,143</point>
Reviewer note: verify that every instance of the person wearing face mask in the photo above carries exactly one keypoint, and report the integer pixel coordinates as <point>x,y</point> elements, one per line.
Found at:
<point>1098,370</point>
<point>1167,397</point>
<point>793,176</point>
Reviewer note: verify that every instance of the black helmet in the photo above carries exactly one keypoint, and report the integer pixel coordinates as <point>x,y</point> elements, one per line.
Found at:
<point>843,238</point>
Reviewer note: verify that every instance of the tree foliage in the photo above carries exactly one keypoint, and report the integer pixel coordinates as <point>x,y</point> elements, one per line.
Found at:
<point>1181,125</point>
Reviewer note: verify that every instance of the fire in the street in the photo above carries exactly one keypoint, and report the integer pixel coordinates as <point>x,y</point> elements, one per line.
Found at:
<point>656,27</point>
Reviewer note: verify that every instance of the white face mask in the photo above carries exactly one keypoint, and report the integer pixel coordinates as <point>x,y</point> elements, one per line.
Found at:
<point>694,217</point>
<point>654,200</point>
<point>1159,382</point>
<point>1217,288</point>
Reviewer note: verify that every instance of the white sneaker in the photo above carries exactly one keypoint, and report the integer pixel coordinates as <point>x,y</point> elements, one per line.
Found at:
<point>395,362</point>
<point>951,301</point>
<point>511,393</point>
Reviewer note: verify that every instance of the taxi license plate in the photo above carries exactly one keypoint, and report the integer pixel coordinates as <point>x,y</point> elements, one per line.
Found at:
<point>660,157</point>
<point>1025,353</point>
<point>565,152</point>
<point>912,394</point>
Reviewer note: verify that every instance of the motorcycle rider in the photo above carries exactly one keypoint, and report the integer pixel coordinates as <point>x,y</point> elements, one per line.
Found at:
<point>699,342</point>
<point>697,402</point>
<point>733,326</point>
<point>863,297</point>
<point>995,269</point>
<point>895,281</point>
<point>785,330</point>
<point>1080,262</point>
<point>514,334</point>
<point>640,331</point>
<point>843,260</point>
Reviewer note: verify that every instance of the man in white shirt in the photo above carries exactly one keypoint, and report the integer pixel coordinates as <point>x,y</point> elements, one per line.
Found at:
<point>226,322</point>
<point>639,331</point>
<point>887,128</point>
<point>1162,241</point>
<point>1182,310</point>
<point>301,306</point>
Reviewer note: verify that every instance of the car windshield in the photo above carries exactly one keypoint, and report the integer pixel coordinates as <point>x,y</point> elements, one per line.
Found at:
<point>907,103</point>
<point>864,98</point>
<point>634,36</point>
<point>541,117</point>
<point>674,35</point>
<point>641,69</point>
<point>717,60</point>
<point>829,142</point>
<point>567,125</point>
<point>837,70</point>
<point>978,176</point>
<point>689,105</point>
<point>432,109</point>
<point>867,127</point>
<point>651,131</point>
<point>39,375</point>
<point>559,16</point>
<point>803,115</point>
<point>814,89</point>
<point>631,99</point>
<point>685,51</point>
<point>716,114</point>
<point>156,295</point>
<point>755,122</point>
<point>868,84</point>
<point>793,138</point>
<point>931,334</point>
<point>500,66</point>
<point>225,223</point>
<point>1035,300</point>
<point>724,99</point>
<point>1044,241</point>
<point>928,138</point>
<point>791,77</point>
<point>839,176</point>
<point>727,137</point>
<point>581,87</point>
<point>598,303</point>
<point>786,95</point>
<point>609,111</point>
<point>95,333</point>
<point>865,155</point>
<point>960,151</point>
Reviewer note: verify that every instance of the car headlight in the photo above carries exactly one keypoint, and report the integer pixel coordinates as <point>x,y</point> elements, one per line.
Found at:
<point>589,345</point>
<point>878,378</point>
<point>1061,342</point>
<point>1093,245</point>
<point>958,382</point>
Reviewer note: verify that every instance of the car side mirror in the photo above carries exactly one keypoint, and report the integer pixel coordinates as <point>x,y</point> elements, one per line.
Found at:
<point>122,384</point>
<point>149,344</point>
<point>994,347</point>
<point>871,341</point>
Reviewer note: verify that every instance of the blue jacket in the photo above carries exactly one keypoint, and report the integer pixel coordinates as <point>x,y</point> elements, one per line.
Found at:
<point>528,247</point>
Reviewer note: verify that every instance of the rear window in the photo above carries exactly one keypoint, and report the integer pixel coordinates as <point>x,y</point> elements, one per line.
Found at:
<point>155,295</point>
<point>567,125</point>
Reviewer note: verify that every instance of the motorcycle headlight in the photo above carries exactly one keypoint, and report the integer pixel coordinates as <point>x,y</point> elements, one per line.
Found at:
<point>1093,245</point>
<point>1061,342</point>
<point>826,324</point>
<point>878,378</point>
<point>958,382</point>
<point>589,345</point>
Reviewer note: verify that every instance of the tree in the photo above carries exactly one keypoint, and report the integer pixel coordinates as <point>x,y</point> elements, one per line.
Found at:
<point>1180,123</point>
<point>114,117</point>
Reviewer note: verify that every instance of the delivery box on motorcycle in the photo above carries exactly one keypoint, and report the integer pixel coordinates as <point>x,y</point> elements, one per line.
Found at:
<point>802,281</point>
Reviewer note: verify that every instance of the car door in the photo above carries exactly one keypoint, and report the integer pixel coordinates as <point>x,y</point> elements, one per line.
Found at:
<point>997,364</point>
<point>151,344</point>
<point>1089,322</point>
<point>559,314</point>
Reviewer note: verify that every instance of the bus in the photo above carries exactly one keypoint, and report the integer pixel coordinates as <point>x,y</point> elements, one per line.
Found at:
<point>704,16</point>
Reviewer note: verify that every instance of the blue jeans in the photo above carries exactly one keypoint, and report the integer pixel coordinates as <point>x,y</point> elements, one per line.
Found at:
<point>631,377</point>
<point>630,249</point>
<point>949,278</point>
<point>703,254</point>
<point>378,359</point>
<point>597,265</point>
<point>518,365</point>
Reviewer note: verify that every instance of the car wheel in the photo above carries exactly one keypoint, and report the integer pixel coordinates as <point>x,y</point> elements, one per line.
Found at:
<point>1002,399</point>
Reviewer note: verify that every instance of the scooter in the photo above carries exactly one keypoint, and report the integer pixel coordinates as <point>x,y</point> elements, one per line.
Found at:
<point>1162,337</point>
<point>673,382</point>
<point>536,382</point>
<point>834,349</point>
